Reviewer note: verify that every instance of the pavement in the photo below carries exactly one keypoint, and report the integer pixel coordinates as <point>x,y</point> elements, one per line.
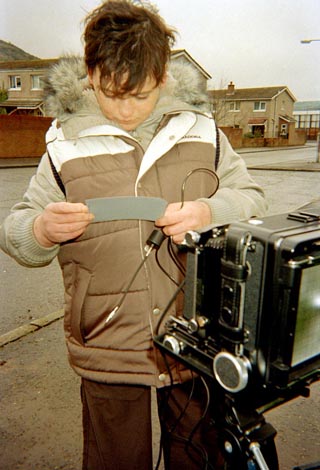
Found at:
<point>288,166</point>
<point>18,162</point>
<point>297,165</point>
<point>30,327</point>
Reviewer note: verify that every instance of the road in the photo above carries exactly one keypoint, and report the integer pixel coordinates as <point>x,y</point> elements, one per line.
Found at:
<point>286,189</point>
<point>272,156</point>
<point>40,412</point>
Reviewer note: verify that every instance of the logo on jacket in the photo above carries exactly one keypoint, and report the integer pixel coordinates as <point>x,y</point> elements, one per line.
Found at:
<point>191,136</point>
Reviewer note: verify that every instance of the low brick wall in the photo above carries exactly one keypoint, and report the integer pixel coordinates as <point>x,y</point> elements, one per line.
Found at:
<point>253,142</point>
<point>295,138</point>
<point>234,136</point>
<point>23,136</point>
<point>298,137</point>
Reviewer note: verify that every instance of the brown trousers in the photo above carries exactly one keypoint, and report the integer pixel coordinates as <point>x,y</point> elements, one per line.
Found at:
<point>118,435</point>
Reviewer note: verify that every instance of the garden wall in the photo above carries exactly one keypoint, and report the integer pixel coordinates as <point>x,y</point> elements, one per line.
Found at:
<point>23,136</point>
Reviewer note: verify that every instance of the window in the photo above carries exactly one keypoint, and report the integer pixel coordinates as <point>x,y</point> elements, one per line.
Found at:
<point>259,106</point>
<point>234,106</point>
<point>15,82</point>
<point>37,82</point>
<point>308,121</point>
<point>314,121</point>
<point>302,121</point>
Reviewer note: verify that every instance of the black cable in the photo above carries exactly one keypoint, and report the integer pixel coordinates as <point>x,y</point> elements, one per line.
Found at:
<point>189,443</point>
<point>198,448</point>
<point>217,159</point>
<point>116,308</point>
<point>174,257</point>
<point>164,271</point>
<point>183,411</point>
<point>204,170</point>
<point>194,430</point>
<point>154,241</point>
<point>176,261</point>
<point>172,253</point>
<point>173,298</point>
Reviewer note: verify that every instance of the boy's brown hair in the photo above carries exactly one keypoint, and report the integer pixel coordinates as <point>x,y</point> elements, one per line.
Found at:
<point>128,41</point>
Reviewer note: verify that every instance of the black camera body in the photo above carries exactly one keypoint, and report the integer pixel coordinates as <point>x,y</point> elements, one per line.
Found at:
<point>251,315</point>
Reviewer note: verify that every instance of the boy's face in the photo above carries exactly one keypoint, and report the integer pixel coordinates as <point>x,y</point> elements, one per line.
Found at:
<point>130,110</point>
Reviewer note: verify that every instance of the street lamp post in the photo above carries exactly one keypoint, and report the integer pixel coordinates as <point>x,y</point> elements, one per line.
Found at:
<point>307,41</point>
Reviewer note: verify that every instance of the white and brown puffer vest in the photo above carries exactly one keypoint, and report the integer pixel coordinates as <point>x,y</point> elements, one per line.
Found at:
<point>104,161</point>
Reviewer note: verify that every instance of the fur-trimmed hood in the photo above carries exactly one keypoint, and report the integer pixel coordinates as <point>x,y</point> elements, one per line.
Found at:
<point>68,93</point>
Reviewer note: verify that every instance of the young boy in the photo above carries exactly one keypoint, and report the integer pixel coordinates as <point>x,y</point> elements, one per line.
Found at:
<point>128,124</point>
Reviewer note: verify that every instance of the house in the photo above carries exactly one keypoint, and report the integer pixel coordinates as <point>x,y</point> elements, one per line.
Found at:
<point>181,55</point>
<point>307,116</point>
<point>22,80</point>
<point>261,112</point>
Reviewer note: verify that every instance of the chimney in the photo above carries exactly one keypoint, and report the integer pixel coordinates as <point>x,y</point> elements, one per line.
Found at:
<point>230,90</point>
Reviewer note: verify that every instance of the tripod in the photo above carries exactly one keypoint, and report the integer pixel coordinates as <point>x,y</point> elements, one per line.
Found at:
<point>246,439</point>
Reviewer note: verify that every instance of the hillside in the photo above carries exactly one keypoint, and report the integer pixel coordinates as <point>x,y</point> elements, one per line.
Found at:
<point>9,51</point>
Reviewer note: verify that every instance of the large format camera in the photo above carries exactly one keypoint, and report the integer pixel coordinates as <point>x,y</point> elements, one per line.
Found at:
<point>251,316</point>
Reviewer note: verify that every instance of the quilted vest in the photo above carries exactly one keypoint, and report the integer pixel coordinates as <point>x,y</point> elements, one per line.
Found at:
<point>98,266</point>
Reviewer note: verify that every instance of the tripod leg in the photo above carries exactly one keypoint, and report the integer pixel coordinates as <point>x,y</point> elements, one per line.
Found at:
<point>247,441</point>
<point>255,449</point>
<point>265,456</point>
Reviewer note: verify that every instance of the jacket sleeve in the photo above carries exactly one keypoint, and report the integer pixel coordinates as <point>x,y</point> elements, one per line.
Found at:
<point>16,232</point>
<point>238,196</point>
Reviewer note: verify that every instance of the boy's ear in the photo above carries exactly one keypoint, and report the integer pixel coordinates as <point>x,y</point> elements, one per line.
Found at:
<point>90,77</point>
<point>164,79</point>
<point>93,76</point>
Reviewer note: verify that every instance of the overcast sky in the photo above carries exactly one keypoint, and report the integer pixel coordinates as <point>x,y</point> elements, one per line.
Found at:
<point>254,43</point>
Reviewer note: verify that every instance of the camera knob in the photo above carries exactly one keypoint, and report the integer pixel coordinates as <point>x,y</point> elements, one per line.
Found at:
<point>192,238</point>
<point>232,372</point>
<point>172,343</point>
<point>193,326</point>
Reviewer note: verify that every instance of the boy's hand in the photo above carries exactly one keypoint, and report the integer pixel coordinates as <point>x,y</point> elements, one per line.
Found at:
<point>60,222</point>
<point>177,220</point>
